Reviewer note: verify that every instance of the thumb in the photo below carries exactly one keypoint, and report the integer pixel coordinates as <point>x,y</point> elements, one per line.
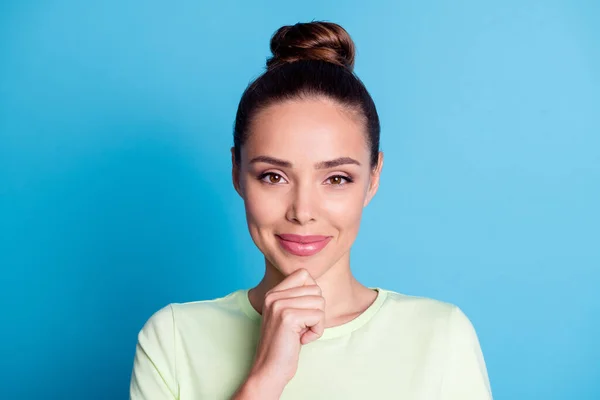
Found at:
<point>309,336</point>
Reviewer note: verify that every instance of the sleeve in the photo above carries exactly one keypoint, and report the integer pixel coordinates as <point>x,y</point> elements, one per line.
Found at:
<point>465,374</point>
<point>154,375</point>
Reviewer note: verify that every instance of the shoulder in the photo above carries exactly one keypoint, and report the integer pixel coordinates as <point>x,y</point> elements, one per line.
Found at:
<point>164,322</point>
<point>442,331</point>
<point>424,307</point>
<point>159,325</point>
<point>425,311</point>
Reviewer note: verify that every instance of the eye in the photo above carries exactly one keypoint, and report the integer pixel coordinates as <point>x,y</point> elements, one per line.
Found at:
<point>338,180</point>
<point>271,178</point>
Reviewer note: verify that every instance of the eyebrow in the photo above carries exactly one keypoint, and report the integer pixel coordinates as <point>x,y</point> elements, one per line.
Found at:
<point>320,165</point>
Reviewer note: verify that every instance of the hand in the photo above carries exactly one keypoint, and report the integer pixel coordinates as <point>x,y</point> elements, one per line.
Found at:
<point>293,315</point>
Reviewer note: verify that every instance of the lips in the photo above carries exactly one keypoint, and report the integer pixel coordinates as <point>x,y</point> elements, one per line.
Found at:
<point>303,246</point>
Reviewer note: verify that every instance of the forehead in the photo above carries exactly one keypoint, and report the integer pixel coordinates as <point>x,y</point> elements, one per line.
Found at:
<point>307,130</point>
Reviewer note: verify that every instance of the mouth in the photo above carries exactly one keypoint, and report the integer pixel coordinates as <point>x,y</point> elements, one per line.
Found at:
<point>302,246</point>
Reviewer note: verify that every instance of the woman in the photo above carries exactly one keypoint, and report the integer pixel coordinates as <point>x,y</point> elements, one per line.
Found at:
<point>306,161</point>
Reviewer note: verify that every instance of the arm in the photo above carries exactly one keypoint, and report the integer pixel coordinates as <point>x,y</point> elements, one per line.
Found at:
<point>258,387</point>
<point>465,375</point>
<point>154,374</point>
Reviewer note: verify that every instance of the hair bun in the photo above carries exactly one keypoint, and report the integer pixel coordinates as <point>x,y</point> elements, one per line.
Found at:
<point>325,41</point>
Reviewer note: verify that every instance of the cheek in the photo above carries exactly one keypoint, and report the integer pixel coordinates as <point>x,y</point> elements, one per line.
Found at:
<point>345,211</point>
<point>263,208</point>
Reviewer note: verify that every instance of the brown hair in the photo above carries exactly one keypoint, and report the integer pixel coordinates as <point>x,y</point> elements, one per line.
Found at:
<point>309,59</point>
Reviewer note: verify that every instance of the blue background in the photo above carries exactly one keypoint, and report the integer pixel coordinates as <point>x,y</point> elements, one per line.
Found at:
<point>116,120</point>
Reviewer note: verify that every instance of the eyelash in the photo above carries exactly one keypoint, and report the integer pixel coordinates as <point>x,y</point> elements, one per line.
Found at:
<point>346,178</point>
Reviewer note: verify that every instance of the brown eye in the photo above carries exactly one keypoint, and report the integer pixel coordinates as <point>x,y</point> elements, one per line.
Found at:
<point>274,178</point>
<point>338,180</point>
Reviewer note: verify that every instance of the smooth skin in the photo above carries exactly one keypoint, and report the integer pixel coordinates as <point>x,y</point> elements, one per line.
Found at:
<point>289,186</point>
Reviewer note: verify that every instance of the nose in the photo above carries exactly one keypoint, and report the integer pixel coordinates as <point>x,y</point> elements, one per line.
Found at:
<point>303,205</point>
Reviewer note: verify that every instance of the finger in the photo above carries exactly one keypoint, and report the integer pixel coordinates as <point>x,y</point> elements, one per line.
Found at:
<point>302,302</point>
<point>309,336</point>
<point>300,277</point>
<point>314,332</point>
<point>308,290</point>
<point>302,318</point>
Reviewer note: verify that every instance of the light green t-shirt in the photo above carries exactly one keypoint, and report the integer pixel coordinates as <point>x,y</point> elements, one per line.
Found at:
<point>401,347</point>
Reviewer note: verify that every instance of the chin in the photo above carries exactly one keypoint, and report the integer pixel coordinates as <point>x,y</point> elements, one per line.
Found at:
<point>313,265</point>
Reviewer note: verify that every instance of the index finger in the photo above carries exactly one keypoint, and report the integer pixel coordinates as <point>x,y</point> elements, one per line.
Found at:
<point>300,277</point>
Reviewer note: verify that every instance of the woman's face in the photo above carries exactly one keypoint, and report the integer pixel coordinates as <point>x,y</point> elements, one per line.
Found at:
<point>305,170</point>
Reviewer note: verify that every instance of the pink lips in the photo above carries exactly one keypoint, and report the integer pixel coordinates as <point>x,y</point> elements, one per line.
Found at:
<point>303,245</point>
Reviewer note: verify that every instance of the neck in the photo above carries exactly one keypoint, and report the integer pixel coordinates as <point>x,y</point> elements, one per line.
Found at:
<point>345,297</point>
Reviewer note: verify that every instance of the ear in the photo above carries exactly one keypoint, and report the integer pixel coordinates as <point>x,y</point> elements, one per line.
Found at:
<point>374,179</point>
<point>235,173</point>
